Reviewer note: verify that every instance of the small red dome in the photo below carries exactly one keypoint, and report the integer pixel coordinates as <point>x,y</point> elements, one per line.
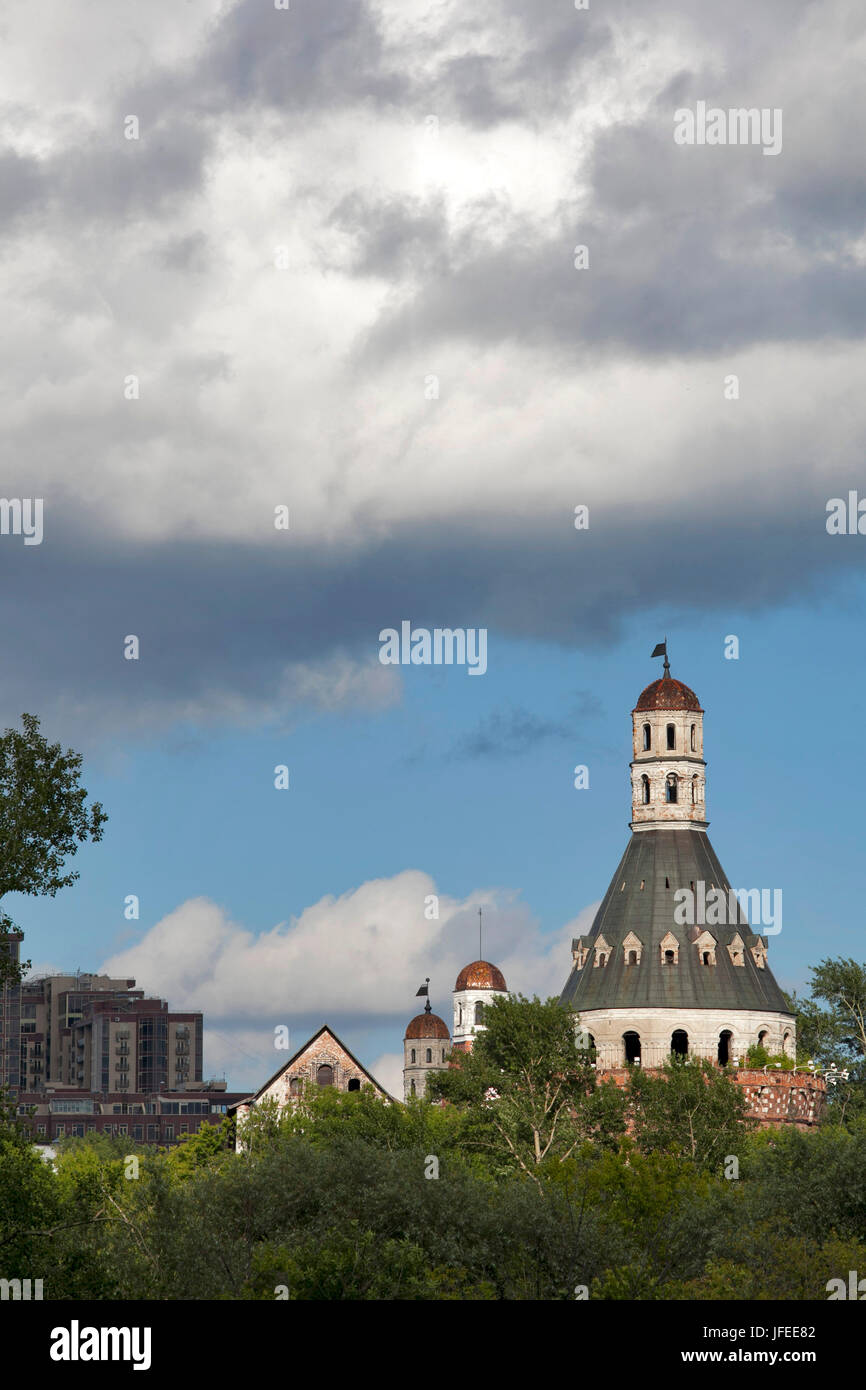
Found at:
<point>427,1026</point>
<point>481,975</point>
<point>668,694</point>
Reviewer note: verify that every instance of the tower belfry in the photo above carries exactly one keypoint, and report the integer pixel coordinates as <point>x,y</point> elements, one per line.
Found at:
<point>659,972</point>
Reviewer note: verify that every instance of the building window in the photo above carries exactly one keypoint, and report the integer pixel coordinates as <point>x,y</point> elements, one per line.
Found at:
<point>694,790</point>
<point>295,1086</point>
<point>645,789</point>
<point>672,736</point>
<point>632,958</point>
<point>429,1054</point>
<point>631,1048</point>
<point>693,738</point>
<point>412,1054</point>
<point>354,1084</point>
<point>670,958</point>
<point>479,1012</point>
<point>413,1087</point>
<point>443,1054</point>
<point>724,1053</point>
<point>602,960</point>
<point>671,788</point>
<point>325,1075</point>
<point>169,1131</point>
<point>680,1043</point>
<point>647,738</point>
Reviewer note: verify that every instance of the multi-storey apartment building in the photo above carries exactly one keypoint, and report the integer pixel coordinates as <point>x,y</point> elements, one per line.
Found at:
<point>93,1033</point>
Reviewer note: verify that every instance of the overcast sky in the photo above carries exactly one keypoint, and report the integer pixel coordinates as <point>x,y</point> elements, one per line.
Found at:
<point>339,261</point>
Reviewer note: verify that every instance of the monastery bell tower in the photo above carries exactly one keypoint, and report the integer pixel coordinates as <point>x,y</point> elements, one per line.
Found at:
<point>671,964</point>
<point>668,772</point>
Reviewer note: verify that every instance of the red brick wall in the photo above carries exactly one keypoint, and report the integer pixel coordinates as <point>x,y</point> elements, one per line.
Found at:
<point>773,1097</point>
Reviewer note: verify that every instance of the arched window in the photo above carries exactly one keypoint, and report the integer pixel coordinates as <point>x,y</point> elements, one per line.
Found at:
<point>479,1012</point>
<point>413,1088</point>
<point>693,738</point>
<point>724,1053</point>
<point>672,736</point>
<point>631,1047</point>
<point>670,958</point>
<point>295,1086</point>
<point>412,1055</point>
<point>429,1054</point>
<point>443,1054</point>
<point>763,1038</point>
<point>325,1075</point>
<point>707,958</point>
<point>647,737</point>
<point>602,960</point>
<point>694,789</point>
<point>354,1084</point>
<point>459,1015</point>
<point>632,958</point>
<point>671,788</point>
<point>645,789</point>
<point>680,1043</point>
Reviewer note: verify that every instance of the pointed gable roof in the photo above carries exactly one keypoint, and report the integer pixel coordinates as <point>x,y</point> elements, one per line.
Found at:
<point>665,861</point>
<point>297,1058</point>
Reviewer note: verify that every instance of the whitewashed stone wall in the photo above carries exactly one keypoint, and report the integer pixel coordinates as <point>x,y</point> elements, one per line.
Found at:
<point>704,1027</point>
<point>658,761</point>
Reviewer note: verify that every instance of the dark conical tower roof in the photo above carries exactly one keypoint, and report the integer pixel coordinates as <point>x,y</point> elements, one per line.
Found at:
<point>640,901</point>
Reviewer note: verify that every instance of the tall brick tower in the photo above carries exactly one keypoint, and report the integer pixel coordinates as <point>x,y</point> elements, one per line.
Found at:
<point>671,964</point>
<point>426,1044</point>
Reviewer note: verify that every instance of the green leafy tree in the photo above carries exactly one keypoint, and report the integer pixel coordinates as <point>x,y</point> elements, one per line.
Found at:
<point>528,1091</point>
<point>688,1109</point>
<point>831,1031</point>
<point>44,816</point>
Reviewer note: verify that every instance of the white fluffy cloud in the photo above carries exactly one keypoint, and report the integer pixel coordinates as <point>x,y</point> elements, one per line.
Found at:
<point>354,962</point>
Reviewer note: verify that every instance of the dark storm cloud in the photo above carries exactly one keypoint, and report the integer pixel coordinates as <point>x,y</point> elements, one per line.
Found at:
<point>21,185</point>
<point>311,55</point>
<point>224,620</point>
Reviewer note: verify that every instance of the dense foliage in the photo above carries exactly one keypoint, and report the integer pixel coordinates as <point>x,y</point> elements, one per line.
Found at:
<point>555,1196</point>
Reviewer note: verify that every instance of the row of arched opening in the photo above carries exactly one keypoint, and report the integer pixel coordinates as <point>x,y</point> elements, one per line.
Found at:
<point>680,1045</point>
<point>672,789</point>
<point>670,738</point>
<point>428,1054</point>
<point>477,1018</point>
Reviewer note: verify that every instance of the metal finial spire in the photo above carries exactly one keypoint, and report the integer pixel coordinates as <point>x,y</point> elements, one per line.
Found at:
<point>480,951</point>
